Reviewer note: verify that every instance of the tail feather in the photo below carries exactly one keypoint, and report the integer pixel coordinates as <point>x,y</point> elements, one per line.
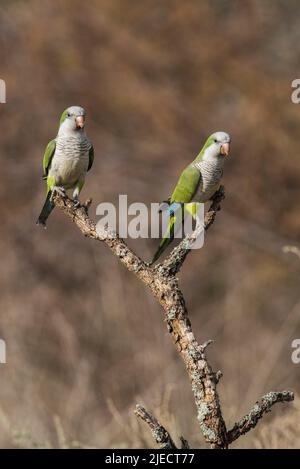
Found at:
<point>167,239</point>
<point>46,210</point>
<point>170,233</point>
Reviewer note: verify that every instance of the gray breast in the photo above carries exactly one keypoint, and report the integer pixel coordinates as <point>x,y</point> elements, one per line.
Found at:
<point>211,172</point>
<point>70,161</point>
<point>72,147</point>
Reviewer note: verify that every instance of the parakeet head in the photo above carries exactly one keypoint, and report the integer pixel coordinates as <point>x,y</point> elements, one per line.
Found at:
<point>72,119</point>
<point>217,145</point>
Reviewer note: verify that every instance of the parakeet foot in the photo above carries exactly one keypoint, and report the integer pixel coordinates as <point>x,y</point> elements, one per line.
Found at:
<point>76,203</point>
<point>58,190</point>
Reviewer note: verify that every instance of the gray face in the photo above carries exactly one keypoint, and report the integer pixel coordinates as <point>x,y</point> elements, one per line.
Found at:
<point>74,120</point>
<point>221,137</point>
<point>76,111</point>
<point>219,145</point>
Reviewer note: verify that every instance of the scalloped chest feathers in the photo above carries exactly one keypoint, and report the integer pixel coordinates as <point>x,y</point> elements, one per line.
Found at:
<point>70,160</point>
<point>211,173</point>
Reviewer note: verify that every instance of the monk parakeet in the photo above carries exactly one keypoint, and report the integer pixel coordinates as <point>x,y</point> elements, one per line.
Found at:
<point>67,159</point>
<point>198,183</point>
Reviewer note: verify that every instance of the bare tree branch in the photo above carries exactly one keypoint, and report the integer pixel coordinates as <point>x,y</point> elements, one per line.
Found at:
<point>159,433</point>
<point>257,412</point>
<point>164,286</point>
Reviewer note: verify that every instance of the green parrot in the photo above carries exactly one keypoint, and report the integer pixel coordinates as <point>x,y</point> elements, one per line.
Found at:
<point>197,184</point>
<point>67,159</point>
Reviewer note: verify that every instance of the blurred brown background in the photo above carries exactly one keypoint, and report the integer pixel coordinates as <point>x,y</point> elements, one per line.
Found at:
<point>85,340</point>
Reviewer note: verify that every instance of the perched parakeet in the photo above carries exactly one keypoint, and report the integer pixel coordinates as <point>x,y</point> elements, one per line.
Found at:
<point>198,182</point>
<point>67,159</point>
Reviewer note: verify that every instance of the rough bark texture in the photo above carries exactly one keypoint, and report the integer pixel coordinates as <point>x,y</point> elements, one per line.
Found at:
<point>159,433</point>
<point>162,281</point>
<point>257,412</point>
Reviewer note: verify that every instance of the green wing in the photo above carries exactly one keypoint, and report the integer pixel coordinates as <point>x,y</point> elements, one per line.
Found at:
<point>48,155</point>
<point>186,186</point>
<point>91,157</point>
<point>183,194</point>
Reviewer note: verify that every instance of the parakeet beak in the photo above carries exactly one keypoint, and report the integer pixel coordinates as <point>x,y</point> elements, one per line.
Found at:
<point>80,120</point>
<point>224,150</point>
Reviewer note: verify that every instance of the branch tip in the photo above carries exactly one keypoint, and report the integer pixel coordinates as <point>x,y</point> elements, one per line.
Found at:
<point>260,408</point>
<point>159,433</point>
<point>204,346</point>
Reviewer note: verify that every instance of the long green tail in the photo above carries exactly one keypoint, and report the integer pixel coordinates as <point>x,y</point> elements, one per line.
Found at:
<point>167,239</point>
<point>46,210</point>
<point>176,221</point>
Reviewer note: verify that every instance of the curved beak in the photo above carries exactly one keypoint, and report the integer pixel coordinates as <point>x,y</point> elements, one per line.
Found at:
<point>80,120</point>
<point>224,150</point>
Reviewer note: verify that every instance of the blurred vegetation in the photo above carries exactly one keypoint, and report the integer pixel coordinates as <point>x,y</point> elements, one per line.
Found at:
<point>85,341</point>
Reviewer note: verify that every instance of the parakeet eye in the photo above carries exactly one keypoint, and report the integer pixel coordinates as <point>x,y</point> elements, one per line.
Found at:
<point>69,115</point>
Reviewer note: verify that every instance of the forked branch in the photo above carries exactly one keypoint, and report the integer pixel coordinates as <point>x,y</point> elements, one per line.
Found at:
<point>162,281</point>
